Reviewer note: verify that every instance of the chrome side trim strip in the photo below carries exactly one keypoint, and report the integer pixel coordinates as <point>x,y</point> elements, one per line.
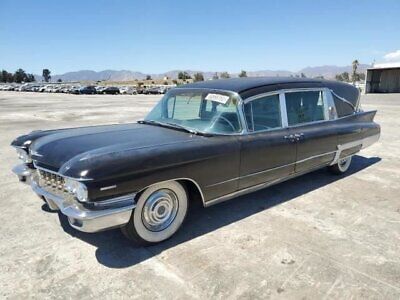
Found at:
<point>269,170</point>
<point>272,169</point>
<point>344,147</point>
<point>222,182</point>
<point>129,197</point>
<point>255,188</point>
<point>315,156</point>
<point>105,188</point>
<point>365,142</point>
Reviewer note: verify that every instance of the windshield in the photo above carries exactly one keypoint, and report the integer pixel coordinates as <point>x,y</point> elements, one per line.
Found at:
<point>201,110</point>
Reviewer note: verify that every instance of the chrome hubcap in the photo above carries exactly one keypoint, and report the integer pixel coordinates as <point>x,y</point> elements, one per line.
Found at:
<point>160,210</point>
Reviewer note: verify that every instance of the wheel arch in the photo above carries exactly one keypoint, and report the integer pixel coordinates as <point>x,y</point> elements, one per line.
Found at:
<point>192,187</point>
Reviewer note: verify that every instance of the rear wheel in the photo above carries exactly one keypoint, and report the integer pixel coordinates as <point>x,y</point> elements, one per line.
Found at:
<point>159,213</point>
<point>341,167</point>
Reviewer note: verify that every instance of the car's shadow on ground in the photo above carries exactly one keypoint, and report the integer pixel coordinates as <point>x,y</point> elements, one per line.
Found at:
<point>115,251</point>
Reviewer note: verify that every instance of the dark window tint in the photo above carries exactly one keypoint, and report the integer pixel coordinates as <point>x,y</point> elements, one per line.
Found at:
<point>263,113</point>
<point>304,107</point>
<point>343,108</point>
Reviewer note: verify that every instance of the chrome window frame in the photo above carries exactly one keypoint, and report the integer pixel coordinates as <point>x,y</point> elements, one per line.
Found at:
<point>326,98</point>
<point>257,97</point>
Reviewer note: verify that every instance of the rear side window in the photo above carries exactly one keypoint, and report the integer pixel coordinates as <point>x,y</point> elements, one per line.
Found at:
<point>304,107</point>
<point>343,108</point>
<point>263,113</point>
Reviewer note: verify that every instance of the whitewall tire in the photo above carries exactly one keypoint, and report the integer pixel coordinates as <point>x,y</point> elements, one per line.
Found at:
<point>159,213</point>
<point>342,166</point>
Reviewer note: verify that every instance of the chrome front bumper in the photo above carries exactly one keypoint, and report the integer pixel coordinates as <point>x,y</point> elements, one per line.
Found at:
<point>23,172</point>
<point>79,217</point>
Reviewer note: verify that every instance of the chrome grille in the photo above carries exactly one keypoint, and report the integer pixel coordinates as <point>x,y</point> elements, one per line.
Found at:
<point>51,182</point>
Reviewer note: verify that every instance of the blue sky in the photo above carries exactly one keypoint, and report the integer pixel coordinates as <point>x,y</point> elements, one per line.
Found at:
<point>211,35</point>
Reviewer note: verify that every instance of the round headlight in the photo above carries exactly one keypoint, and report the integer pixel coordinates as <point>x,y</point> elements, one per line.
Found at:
<point>24,156</point>
<point>76,188</point>
<point>81,192</point>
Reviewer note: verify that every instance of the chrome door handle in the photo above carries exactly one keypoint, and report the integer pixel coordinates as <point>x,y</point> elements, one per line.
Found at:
<point>290,137</point>
<point>298,136</point>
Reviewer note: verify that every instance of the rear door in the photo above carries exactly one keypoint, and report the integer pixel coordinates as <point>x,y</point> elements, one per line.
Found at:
<point>308,115</point>
<point>267,153</point>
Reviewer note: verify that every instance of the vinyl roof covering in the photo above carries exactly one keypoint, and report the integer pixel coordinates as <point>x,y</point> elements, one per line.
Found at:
<point>245,83</point>
<point>249,86</point>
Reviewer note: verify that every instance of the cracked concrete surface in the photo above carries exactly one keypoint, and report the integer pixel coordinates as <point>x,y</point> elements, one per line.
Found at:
<point>316,236</point>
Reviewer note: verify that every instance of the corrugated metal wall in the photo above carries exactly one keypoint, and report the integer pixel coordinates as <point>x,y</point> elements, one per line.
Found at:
<point>383,81</point>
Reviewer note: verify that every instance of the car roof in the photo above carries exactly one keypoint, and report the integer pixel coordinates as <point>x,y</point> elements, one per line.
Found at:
<point>239,85</point>
<point>250,86</point>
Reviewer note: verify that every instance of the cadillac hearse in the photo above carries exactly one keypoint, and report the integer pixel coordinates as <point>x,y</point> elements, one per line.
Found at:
<point>212,140</point>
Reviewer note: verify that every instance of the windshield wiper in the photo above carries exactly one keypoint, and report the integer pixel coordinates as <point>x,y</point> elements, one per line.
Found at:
<point>175,126</point>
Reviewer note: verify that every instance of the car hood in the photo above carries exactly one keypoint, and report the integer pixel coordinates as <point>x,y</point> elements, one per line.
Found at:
<point>55,150</point>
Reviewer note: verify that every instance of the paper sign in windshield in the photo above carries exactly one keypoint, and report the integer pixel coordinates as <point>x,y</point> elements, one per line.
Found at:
<point>217,98</point>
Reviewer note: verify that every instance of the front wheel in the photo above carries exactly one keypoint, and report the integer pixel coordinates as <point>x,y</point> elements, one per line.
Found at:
<point>341,167</point>
<point>159,213</point>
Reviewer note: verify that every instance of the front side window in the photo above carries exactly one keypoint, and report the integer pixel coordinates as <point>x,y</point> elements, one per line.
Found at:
<point>263,113</point>
<point>304,107</point>
<point>202,110</point>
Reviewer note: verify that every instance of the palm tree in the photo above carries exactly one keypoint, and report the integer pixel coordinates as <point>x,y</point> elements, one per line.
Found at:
<point>354,76</point>
<point>46,75</point>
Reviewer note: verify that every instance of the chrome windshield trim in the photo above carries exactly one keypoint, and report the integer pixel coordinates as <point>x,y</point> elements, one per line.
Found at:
<point>240,109</point>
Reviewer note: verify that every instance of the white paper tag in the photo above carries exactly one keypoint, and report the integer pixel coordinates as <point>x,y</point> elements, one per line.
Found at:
<point>217,98</point>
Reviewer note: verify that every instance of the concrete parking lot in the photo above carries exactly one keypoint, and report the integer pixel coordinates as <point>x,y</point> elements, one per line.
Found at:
<point>317,236</point>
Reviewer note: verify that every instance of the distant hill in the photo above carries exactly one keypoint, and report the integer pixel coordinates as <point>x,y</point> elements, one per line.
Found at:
<point>328,71</point>
<point>89,75</point>
<point>331,71</point>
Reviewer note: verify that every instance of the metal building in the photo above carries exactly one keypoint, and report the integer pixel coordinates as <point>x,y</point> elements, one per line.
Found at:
<point>383,78</point>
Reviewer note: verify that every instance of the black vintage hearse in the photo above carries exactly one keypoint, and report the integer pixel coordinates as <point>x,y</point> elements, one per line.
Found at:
<point>214,140</point>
